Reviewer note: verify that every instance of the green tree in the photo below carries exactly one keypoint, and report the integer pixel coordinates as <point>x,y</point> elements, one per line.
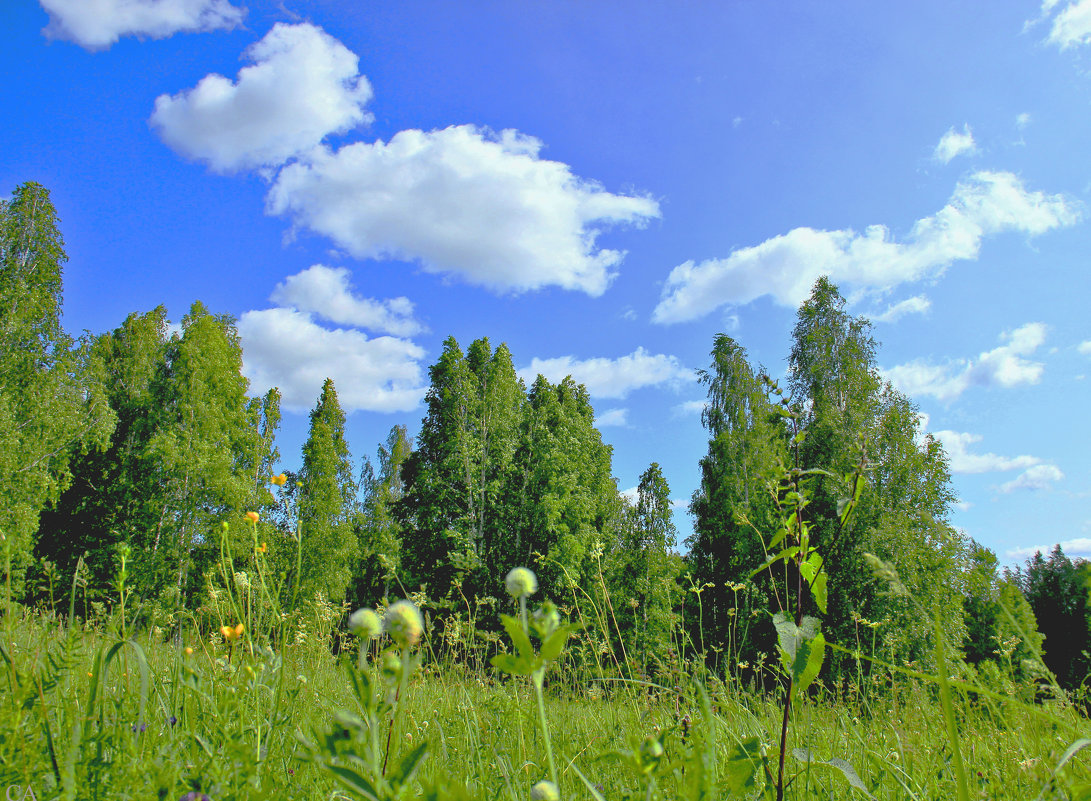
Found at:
<point>377,528</point>
<point>198,451</point>
<point>327,503</point>
<point>51,402</point>
<point>453,508</point>
<point>114,496</point>
<point>1057,591</point>
<point>645,568</point>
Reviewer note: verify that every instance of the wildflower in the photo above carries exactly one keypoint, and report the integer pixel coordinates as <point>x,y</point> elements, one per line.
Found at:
<point>403,623</point>
<point>279,480</point>
<point>263,547</point>
<point>365,623</point>
<point>232,632</point>
<point>195,795</point>
<point>252,517</point>
<point>521,582</point>
<point>188,651</point>
<point>242,580</point>
<point>545,791</point>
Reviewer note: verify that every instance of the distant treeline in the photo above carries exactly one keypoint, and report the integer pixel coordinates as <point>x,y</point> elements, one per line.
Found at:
<point>148,438</point>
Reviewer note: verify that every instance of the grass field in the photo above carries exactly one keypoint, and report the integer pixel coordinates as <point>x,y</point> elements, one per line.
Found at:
<point>95,712</point>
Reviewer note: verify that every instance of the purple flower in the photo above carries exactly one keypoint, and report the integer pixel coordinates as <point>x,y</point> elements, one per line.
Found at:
<point>195,795</point>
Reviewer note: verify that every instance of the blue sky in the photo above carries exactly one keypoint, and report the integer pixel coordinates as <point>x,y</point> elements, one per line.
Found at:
<point>603,186</point>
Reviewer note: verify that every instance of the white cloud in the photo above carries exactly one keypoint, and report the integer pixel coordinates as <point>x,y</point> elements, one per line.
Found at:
<point>1081,546</point>
<point>918,304</point>
<point>1072,26</point>
<point>97,24</point>
<point>690,408</point>
<point>962,461</point>
<point>612,417</point>
<point>302,86</point>
<point>464,201</point>
<point>287,349</point>
<point>1038,477</point>
<point>786,266</point>
<point>1022,120</point>
<point>328,293</point>
<point>611,378</point>
<point>954,143</point>
<point>1084,347</point>
<point>1004,366</point>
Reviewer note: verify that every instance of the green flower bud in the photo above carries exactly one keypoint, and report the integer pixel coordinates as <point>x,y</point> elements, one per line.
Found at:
<point>365,623</point>
<point>392,666</point>
<point>521,582</point>
<point>403,623</point>
<point>545,791</point>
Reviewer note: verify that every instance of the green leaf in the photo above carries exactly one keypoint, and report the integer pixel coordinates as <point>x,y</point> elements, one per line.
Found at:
<point>409,765</point>
<point>554,643</point>
<point>784,555</point>
<point>802,649</point>
<point>353,781</point>
<point>743,763</point>
<point>519,637</point>
<point>846,768</point>
<point>807,672</point>
<point>515,666</point>
<point>811,569</point>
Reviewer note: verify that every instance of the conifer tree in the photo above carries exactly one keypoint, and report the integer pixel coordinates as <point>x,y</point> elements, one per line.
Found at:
<point>327,503</point>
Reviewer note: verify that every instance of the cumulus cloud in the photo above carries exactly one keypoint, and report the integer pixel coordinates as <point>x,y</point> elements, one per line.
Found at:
<point>612,378</point>
<point>286,348</point>
<point>327,292</point>
<point>1071,25</point>
<point>1080,546</point>
<point>463,201</point>
<point>97,24</point>
<point>1039,477</point>
<point>961,460</point>
<point>954,143</point>
<point>786,266</point>
<point>918,304</point>
<point>690,408</point>
<point>1004,366</point>
<point>301,86</point>
<point>1084,347</point>
<point>612,417</point>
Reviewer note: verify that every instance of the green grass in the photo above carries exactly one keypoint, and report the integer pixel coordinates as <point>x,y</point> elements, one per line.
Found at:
<point>233,723</point>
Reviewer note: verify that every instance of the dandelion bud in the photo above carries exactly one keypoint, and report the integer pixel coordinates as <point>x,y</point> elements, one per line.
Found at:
<point>521,582</point>
<point>545,791</point>
<point>365,623</point>
<point>403,623</point>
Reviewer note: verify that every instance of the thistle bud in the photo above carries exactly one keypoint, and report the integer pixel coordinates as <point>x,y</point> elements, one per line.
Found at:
<point>364,623</point>
<point>545,791</point>
<point>403,623</point>
<point>521,582</point>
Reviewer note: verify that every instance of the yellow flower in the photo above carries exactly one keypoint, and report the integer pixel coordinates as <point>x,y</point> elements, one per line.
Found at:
<point>252,517</point>
<point>189,651</point>
<point>262,548</point>
<point>232,632</point>
<point>280,480</point>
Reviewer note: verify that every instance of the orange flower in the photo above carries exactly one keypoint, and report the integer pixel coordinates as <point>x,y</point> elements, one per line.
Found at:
<point>239,629</point>
<point>262,548</point>
<point>189,651</point>
<point>232,632</point>
<point>252,517</point>
<point>280,480</point>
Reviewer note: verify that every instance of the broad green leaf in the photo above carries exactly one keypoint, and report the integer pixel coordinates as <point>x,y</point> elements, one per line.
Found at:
<point>787,553</point>
<point>743,763</point>
<point>354,781</point>
<point>811,568</point>
<point>409,765</point>
<point>807,672</point>
<point>846,768</point>
<point>515,666</point>
<point>554,644</point>
<point>519,637</point>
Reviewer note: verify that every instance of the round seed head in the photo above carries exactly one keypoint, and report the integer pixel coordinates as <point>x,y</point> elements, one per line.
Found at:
<point>545,791</point>
<point>521,582</point>
<point>365,623</point>
<point>403,623</point>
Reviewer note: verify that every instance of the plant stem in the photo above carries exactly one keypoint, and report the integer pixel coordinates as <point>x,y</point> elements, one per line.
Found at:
<point>538,678</point>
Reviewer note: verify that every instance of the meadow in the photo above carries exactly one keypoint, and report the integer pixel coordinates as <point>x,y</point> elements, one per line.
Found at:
<point>320,704</point>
